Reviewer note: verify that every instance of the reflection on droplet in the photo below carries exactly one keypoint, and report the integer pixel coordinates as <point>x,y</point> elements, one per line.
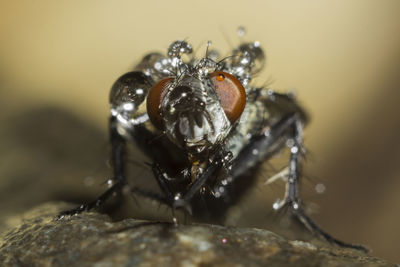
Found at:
<point>276,204</point>
<point>128,106</point>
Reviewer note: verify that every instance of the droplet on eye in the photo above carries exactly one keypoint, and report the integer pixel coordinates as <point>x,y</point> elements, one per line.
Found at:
<point>220,77</point>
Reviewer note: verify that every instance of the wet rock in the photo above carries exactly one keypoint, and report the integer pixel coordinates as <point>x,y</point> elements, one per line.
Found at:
<point>92,239</point>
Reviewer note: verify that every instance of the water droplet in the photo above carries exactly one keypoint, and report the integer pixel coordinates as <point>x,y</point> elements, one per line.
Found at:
<point>320,188</point>
<point>276,204</point>
<point>128,106</point>
<point>254,152</point>
<point>294,150</point>
<point>224,240</point>
<point>157,66</point>
<point>241,31</point>
<point>289,142</point>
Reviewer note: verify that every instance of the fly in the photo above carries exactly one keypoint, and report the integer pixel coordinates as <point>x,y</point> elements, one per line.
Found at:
<point>205,128</point>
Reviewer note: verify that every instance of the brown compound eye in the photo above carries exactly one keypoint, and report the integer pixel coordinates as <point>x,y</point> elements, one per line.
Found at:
<point>231,94</point>
<point>154,99</point>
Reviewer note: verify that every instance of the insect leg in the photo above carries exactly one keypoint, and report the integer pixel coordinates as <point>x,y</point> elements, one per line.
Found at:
<point>259,149</point>
<point>118,149</point>
<point>292,194</point>
<point>262,147</point>
<point>158,174</point>
<point>198,183</point>
<point>176,201</point>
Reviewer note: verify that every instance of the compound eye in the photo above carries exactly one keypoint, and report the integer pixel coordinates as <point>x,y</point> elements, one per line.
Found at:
<point>154,100</point>
<point>231,94</point>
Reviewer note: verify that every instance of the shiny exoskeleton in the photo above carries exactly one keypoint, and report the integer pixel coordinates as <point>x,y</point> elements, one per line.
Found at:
<point>204,127</point>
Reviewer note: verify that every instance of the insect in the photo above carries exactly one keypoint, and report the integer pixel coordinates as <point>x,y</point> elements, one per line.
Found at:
<point>205,128</point>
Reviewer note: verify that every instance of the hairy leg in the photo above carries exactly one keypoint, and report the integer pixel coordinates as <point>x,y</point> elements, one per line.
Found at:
<point>118,150</point>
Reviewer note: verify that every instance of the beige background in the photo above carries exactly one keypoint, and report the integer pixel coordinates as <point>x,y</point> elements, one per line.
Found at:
<point>342,58</point>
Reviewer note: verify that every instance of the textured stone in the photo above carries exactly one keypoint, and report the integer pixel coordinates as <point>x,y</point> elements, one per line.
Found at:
<point>92,239</point>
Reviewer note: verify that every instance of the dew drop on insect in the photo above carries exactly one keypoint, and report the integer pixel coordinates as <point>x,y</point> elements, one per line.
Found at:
<point>213,54</point>
<point>289,142</point>
<point>241,31</point>
<point>276,204</point>
<point>254,152</point>
<point>139,91</point>
<point>224,240</point>
<point>320,188</point>
<point>158,66</point>
<point>128,106</point>
<point>294,149</point>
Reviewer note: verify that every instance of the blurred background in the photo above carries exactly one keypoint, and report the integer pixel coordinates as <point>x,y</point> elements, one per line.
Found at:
<point>58,60</point>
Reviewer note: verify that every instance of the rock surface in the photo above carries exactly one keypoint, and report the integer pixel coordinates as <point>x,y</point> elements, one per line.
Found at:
<point>92,239</point>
